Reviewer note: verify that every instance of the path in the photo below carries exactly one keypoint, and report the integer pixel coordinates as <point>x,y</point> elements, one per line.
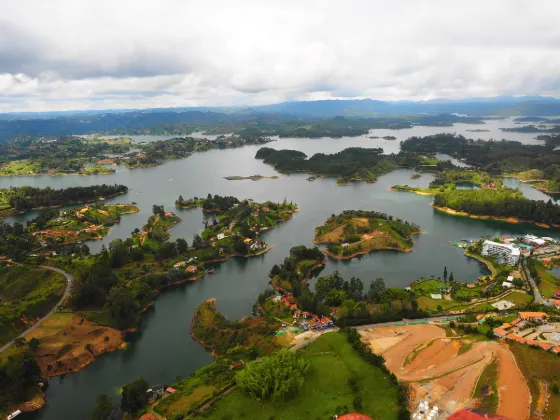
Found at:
<point>69,280</point>
<point>536,292</point>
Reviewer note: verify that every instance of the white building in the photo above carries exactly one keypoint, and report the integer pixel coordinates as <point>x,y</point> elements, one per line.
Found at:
<point>507,284</point>
<point>220,236</point>
<point>534,240</point>
<point>507,253</point>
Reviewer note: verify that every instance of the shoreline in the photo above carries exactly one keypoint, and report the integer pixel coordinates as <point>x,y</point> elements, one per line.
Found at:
<point>425,193</point>
<point>349,257</point>
<point>488,265</point>
<point>533,181</point>
<point>513,220</point>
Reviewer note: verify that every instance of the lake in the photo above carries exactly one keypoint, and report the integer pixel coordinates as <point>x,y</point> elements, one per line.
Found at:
<point>163,348</point>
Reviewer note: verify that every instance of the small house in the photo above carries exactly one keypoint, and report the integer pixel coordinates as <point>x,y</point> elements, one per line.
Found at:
<point>192,269</point>
<point>556,303</point>
<point>544,346</point>
<point>170,390</point>
<point>220,236</point>
<point>556,350</point>
<point>510,278</point>
<point>507,285</point>
<point>500,332</point>
<point>345,245</point>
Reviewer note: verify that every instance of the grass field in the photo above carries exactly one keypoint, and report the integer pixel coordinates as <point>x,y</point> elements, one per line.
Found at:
<point>549,283</point>
<point>487,388</point>
<point>533,363</point>
<point>325,391</point>
<point>26,294</point>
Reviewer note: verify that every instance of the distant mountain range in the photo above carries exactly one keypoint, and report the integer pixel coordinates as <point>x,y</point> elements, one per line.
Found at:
<point>178,120</point>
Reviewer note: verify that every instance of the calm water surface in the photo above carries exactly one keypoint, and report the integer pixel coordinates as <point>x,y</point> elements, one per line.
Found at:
<point>163,349</point>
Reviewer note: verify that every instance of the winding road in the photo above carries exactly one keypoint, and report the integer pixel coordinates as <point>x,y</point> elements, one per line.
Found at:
<point>69,281</point>
<point>536,292</point>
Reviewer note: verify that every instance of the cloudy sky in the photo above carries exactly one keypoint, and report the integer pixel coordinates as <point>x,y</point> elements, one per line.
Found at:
<point>82,54</point>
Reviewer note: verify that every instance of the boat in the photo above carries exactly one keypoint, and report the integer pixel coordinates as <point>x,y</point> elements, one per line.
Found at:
<point>14,415</point>
<point>210,271</point>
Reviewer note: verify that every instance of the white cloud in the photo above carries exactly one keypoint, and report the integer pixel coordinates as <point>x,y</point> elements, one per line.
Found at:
<point>65,54</point>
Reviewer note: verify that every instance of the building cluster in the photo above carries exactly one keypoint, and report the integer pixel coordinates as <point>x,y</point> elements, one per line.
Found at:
<point>309,321</point>
<point>510,331</point>
<point>505,253</point>
<point>425,412</point>
<point>509,249</point>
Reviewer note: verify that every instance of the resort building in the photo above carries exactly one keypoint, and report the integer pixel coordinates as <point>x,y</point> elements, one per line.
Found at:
<point>533,316</point>
<point>507,253</point>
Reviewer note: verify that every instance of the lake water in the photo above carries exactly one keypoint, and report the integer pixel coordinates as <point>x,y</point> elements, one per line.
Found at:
<point>163,349</point>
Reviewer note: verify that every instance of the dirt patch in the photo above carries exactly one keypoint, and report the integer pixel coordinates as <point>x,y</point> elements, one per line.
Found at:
<point>438,372</point>
<point>70,343</point>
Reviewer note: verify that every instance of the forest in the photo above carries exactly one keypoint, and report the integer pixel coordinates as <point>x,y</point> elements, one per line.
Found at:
<point>501,203</point>
<point>27,198</point>
<point>211,203</point>
<point>354,163</point>
<point>494,157</point>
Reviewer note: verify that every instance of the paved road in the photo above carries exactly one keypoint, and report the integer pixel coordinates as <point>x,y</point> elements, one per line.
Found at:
<point>536,292</point>
<point>69,281</point>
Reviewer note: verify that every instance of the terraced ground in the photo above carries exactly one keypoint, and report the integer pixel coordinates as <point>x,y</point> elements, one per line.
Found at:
<point>445,369</point>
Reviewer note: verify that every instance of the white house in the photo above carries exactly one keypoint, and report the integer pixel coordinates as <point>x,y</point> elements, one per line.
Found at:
<point>534,240</point>
<point>510,278</point>
<point>436,296</point>
<point>507,284</point>
<point>220,236</point>
<point>508,253</point>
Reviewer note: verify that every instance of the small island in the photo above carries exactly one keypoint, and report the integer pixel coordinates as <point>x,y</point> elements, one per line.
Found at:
<point>77,225</point>
<point>251,177</point>
<point>389,138</point>
<point>359,232</point>
<point>415,176</point>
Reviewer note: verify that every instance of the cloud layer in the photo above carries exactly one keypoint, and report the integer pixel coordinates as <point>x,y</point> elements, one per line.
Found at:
<point>67,54</point>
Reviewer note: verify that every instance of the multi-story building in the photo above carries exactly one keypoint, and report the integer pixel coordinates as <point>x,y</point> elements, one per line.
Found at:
<point>507,253</point>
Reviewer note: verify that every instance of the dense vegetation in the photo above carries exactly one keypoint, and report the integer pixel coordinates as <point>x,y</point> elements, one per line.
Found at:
<point>276,377</point>
<point>502,203</point>
<point>27,198</point>
<point>494,157</point>
<point>359,231</point>
<point>214,203</point>
<point>233,339</point>
<point>18,378</point>
<point>296,268</point>
<point>354,163</point>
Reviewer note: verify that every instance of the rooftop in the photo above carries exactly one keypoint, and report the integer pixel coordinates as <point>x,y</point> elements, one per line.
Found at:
<point>525,315</point>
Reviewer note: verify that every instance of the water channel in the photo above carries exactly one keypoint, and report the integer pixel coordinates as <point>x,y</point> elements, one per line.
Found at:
<point>163,349</point>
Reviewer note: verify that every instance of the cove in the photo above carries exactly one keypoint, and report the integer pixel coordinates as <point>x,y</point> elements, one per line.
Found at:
<point>162,348</point>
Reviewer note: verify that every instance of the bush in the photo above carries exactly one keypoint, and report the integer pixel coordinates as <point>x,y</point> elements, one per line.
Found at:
<point>276,377</point>
<point>357,403</point>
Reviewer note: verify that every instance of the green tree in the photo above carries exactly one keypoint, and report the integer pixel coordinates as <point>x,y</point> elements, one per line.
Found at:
<point>276,377</point>
<point>103,407</point>
<point>181,245</point>
<point>122,307</point>
<point>451,277</point>
<point>445,274</point>
<point>134,396</point>
<point>377,290</point>
<point>19,342</point>
<point>33,344</point>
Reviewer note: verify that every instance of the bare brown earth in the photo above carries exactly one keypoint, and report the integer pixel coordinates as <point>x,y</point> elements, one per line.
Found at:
<point>445,370</point>
<point>69,342</point>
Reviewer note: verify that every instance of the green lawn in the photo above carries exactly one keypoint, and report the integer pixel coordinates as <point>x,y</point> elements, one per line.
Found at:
<point>325,390</point>
<point>549,283</point>
<point>487,389</point>
<point>520,299</point>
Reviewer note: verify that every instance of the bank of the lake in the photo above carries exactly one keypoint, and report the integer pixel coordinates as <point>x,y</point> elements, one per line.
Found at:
<point>162,348</point>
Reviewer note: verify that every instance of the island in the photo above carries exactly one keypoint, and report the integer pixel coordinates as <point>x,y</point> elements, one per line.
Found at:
<point>18,200</point>
<point>359,232</point>
<point>352,164</point>
<point>252,177</point>
<point>77,225</point>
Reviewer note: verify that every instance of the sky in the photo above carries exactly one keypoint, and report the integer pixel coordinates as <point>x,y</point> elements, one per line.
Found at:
<point>80,54</point>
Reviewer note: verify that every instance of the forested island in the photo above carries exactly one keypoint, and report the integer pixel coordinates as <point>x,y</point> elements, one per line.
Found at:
<point>450,178</point>
<point>359,232</point>
<point>503,204</point>
<point>22,199</point>
<point>211,203</point>
<point>352,164</point>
